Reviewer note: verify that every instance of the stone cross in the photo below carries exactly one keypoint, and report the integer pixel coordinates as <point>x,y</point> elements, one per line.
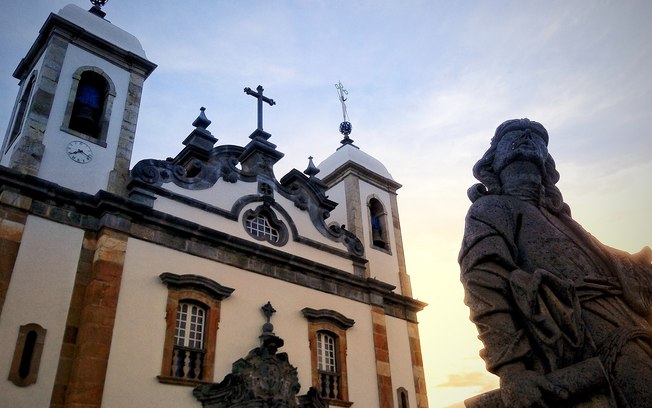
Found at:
<point>268,311</point>
<point>259,95</point>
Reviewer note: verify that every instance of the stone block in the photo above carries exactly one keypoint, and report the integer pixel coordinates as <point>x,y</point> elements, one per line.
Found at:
<point>15,199</point>
<point>11,231</point>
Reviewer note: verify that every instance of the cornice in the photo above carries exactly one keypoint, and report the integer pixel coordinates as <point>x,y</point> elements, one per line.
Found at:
<point>139,221</point>
<point>56,25</point>
<point>351,167</point>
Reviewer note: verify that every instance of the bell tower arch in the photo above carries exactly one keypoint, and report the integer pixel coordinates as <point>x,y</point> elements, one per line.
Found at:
<point>75,116</point>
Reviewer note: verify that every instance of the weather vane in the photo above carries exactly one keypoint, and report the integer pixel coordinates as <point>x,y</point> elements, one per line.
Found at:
<point>345,126</point>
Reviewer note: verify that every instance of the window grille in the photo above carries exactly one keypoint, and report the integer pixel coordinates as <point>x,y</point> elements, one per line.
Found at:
<point>190,326</point>
<point>325,352</point>
<point>329,378</point>
<point>188,352</point>
<point>259,226</point>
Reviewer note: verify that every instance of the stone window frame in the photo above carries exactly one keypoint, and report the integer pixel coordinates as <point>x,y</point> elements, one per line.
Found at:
<point>201,291</point>
<point>105,119</point>
<point>402,397</point>
<point>21,111</point>
<point>25,364</point>
<point>376,208</point>
<point>274,222</point>
<point>335,325</point>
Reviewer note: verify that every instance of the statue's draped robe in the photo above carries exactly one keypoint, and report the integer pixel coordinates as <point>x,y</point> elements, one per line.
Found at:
<point>545,293</point>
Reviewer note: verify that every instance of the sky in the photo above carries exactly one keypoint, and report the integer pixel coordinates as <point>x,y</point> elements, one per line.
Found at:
<point>428,82</point>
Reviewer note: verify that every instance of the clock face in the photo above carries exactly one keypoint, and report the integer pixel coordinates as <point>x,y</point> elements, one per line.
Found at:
<point>79,152</point>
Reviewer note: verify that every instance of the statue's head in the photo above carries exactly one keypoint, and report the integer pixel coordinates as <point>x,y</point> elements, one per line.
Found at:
<point>518,139</point>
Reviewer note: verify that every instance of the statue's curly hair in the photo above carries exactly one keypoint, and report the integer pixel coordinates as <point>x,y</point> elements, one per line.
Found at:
<point>490,183</point>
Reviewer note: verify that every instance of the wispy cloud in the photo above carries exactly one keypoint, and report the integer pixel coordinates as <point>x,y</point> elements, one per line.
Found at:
<point>483,380</point>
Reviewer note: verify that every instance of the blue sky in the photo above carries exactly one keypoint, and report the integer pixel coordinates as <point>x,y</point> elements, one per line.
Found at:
<point>428,83</point>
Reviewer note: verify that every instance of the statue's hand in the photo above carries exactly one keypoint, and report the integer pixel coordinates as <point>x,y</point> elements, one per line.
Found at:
<point>525,388</point>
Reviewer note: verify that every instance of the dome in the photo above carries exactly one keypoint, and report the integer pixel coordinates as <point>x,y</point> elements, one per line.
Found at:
<point>102,28</point>
<point>348,153</point>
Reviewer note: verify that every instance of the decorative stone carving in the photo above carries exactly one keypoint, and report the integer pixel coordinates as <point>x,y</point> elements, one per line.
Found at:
<point>263,379</point>
<point>201,164</point>
<point>564,319</point>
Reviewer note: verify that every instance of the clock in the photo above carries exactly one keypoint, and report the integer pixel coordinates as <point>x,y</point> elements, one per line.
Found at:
<point>79,152</point>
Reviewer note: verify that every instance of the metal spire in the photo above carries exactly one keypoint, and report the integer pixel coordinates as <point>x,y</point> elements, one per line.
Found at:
<point>345,126</point>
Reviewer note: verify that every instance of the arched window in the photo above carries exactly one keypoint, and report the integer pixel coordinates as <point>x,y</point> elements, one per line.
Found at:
<point>188,352</point>
<point>192,316</point>
<point>27,355</point>
<point>258,226</point>
<point>378,222</point>
<point>403,400</point>
<point>20,112</point>
<point>86,116</point>
<point>326,352</point>
<point>327,336</point>
<point>90,103</point>
<point>263,225</point>
<point>329,378</point>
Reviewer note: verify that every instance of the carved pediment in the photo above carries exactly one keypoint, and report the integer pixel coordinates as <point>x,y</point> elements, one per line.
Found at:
<point>262,379</point>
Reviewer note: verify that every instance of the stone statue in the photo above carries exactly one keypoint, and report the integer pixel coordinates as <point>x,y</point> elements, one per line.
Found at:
<point>545,295</point>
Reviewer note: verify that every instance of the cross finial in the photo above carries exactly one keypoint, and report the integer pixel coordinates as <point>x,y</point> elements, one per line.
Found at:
<point>341,92</point>
<point>345,126</point>
<point>268,311</point>
<point>259,95</point>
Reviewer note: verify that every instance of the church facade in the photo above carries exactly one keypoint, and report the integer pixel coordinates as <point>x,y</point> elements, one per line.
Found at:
<point>142,286</point>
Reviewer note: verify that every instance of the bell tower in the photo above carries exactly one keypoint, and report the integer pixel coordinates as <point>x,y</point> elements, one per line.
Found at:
<point>75,115</point>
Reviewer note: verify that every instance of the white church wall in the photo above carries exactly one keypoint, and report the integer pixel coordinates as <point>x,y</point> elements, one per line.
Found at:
<point>201,217</point>
<point>338,215</point>
<point>39,292</point>
<point>137,347</point>
<point>236,228</point>
<point>56,166</point>
<point>400,358</point>
<point>382,265</point>
<point>222,195</point>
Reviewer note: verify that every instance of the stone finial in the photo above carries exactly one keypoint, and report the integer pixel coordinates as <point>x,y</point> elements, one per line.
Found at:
<point>200,139</point>
<point>97,7</point>
<point>312,170</point>
<point>202,121</point>
<point>268,339</point>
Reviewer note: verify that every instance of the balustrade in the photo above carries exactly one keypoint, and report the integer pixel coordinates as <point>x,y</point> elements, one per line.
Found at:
<point>187,363</point>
